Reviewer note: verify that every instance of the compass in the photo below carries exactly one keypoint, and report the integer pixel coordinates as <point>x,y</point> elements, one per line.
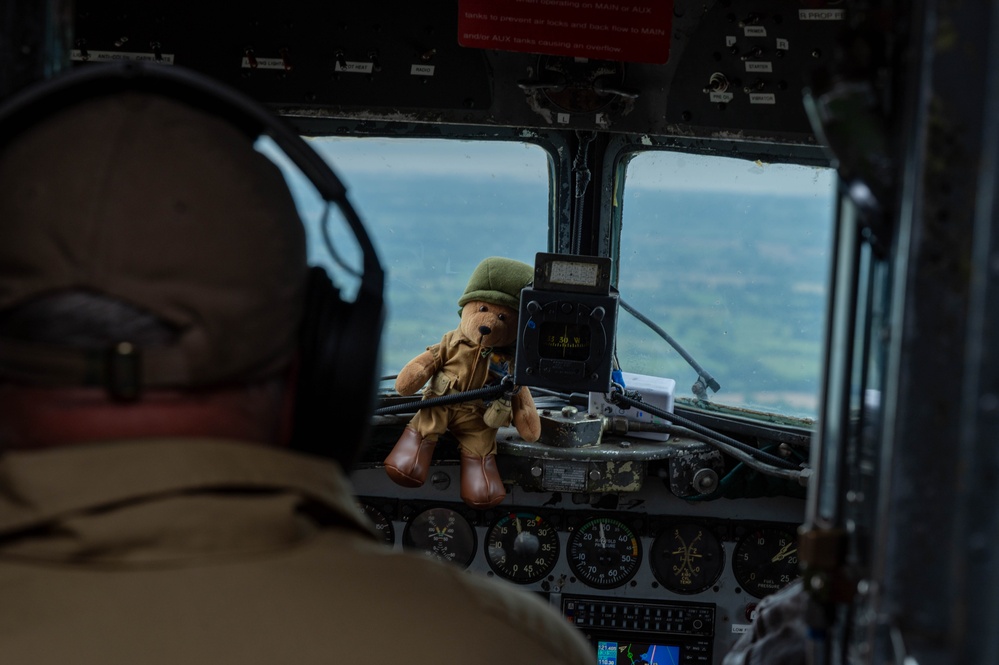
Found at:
<point>568,320</point>
<point>568,341</point>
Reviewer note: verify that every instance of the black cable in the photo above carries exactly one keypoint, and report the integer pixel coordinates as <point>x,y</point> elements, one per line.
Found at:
<point>756,453</point>
<point>724,483</point>
<point>443,400</point>
<point>702,374</point>
<point>324,224</point>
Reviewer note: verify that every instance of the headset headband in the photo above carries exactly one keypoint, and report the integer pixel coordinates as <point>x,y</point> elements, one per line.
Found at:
<point>90,81</point>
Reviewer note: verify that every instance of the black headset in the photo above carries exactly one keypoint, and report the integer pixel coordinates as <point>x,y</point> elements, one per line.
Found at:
<point>339,340</point>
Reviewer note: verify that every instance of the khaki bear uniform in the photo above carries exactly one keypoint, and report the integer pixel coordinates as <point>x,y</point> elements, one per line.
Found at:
<point>463,366</point>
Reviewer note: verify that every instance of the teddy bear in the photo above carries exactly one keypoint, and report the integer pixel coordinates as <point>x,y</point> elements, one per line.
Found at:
<point>477,353</point>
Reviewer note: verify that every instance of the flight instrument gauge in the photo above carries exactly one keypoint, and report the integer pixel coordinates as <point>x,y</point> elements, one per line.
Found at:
<point>564,340</point>
<point>383,525</point>
<point>568,322</point>
<point>442,534</point>
<point>686,558</point>
<point>522,547</point>
<point>766,560</point>
<point>604,553</point>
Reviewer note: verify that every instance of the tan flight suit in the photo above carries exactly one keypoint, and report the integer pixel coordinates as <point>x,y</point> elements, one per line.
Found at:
<point>461,365</point>
<point>201,551</point>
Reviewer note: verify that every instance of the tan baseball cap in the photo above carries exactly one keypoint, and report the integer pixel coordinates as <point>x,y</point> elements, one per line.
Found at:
<point>164,207</point>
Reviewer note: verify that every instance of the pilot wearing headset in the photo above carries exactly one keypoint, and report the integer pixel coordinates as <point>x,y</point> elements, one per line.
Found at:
<point>153,508</point>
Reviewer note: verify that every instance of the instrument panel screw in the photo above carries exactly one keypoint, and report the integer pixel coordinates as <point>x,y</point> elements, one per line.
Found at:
<point>440,481</point>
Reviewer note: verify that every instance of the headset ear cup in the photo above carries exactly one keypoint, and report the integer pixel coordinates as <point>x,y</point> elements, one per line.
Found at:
<point>318,329</point>
<point>338,371</point>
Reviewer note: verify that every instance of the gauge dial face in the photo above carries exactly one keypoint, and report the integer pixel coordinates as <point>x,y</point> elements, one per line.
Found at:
<point>522,547</point>
<point>381,521</point>
<point>604,553</point>
<point>441,534</point>
<point>766,560</point>
<point>564,341</point>
<point>686,558</point>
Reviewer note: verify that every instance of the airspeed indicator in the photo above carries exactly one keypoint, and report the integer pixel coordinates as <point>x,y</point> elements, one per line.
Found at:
<point>604,553</point>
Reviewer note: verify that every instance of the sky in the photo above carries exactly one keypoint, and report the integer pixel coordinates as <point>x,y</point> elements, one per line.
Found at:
<point>527,162</point>
<point>659,170</point>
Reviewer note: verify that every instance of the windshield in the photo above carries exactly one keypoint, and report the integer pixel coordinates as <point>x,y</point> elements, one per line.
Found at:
<point>434,209</point>
<point>731,259</point>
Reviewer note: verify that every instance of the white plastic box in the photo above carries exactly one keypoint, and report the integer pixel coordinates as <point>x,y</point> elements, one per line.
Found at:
<point>654,390</point>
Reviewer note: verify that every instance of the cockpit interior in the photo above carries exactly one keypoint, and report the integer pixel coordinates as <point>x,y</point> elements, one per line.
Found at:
<point>765,281</point>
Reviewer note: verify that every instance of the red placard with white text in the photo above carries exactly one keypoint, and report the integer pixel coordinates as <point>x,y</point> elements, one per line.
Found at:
<point>627,30</point>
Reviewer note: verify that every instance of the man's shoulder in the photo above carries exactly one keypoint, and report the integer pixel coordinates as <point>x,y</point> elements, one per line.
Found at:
<point>482,609</point>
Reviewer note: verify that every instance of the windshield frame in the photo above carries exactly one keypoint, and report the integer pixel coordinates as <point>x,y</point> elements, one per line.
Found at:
<point>554,143</point>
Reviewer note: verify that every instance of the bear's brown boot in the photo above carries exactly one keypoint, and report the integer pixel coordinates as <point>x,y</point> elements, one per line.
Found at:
<point>409,461</point>
<point>481,485</point>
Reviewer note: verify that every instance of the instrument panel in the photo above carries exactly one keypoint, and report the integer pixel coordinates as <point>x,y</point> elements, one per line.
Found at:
<point>638,573</point>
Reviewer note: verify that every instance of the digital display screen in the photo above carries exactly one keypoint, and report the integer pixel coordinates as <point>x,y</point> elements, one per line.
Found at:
<point>636,653</point>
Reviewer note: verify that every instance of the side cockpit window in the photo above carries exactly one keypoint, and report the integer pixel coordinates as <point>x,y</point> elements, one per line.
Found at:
<point>731,258</point>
